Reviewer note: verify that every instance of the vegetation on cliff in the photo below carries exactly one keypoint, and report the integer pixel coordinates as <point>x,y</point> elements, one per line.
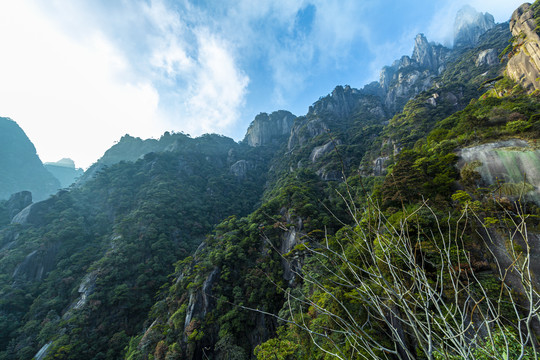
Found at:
<point>293,248</point>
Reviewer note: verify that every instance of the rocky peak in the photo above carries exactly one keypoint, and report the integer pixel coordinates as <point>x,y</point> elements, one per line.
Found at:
<point>341,102</point>
<point>524,66</point>
<point>469,25</point>
<point>422,51</point>
<point>409,76</point>
<point>269,129</point>
<point>427,55</point>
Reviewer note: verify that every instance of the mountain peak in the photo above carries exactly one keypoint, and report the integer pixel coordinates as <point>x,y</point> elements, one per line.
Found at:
<point>64,162</point>
<point>267,129</point>
<point>469,25</point>
<point>422,51</point>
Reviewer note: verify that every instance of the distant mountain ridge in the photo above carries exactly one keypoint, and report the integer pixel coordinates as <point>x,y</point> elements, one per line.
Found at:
<point>64,170</point>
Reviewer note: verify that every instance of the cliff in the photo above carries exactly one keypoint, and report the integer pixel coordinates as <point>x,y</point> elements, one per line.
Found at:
<point>524,64</point>
<point>269,129</point>
<point>469,25</point>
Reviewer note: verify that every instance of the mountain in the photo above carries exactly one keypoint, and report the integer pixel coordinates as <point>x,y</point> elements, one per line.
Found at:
<point>21,168</point>
<point>469,25</point>
<point>108,245</point>
<point>64,170</point>
<point>290,286</point>
<point>396,221</point>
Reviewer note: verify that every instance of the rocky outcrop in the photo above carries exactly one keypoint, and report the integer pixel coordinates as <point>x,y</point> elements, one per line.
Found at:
<point>269,129</point>
<point>17,202</point>
<point>487,57</point>
<point>201,302</point>
<point>241,168</point>
<point>379,165</point>
<point>409,76</point>
<point>469,25</point>
<point>428,55</point>
<point>291,238</point>
<point>36,265</point>
<point>33,213</point>
<point>305,130</point>
<point>319,151</point>
<point>42,353</point>
<point>524,64</point>
<point>340,103</point>
<point>87,287</point>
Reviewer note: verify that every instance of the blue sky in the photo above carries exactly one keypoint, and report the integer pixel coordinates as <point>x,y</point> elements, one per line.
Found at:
<point>79,74</point>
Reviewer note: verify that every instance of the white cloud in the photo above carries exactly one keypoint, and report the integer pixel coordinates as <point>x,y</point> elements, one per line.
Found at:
<point>441,28</point>
<point>71,98</point>
<point>75,90</point>
<point>217,89</point>
<point>205,86</point>
<point>270,30</point>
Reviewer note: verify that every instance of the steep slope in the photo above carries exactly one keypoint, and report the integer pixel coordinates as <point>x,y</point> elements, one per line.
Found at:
<point>251,275</point>
<point>21,168</point>
<point>469,72</point>
<point>80,269</point>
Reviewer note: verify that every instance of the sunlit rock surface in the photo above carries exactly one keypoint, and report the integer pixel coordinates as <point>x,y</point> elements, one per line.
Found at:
<point>524,66</point>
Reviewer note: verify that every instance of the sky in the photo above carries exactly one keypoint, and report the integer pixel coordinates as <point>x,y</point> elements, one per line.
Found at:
<point>77,75</point>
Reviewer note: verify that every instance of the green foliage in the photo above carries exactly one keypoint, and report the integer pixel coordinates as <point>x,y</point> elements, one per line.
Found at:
<point>505,345</point>
<point>125,228</point>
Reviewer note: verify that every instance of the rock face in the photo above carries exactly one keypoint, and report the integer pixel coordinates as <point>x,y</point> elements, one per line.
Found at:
<point>302,132</point>
<point>33,213</point>
<point>240,169</point>
<point>322,150</point>
<point>524,66</point>
<point>488,57</point>
<point>469,25</point>
<point>269,129</point>
<point>428,55</point>
<point>409,76</point>
<point>20,167</point>
<point>36,265</point>
<point>17,202</point>
<point>341,102</point>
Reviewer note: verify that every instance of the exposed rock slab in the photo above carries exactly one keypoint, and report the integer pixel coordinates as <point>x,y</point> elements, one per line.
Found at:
<point>268,129</point>
<point>524,66</point>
